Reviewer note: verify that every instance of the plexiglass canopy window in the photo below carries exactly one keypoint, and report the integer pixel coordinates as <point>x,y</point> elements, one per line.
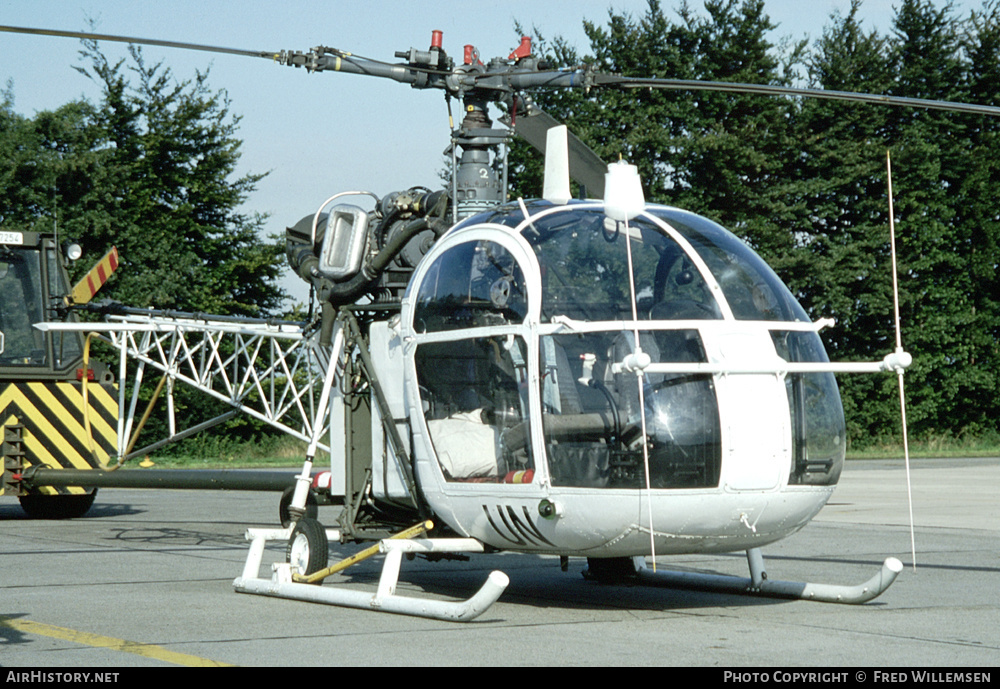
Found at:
<point>585,277</point>
<point>596,416</point>
<point>592,414</point>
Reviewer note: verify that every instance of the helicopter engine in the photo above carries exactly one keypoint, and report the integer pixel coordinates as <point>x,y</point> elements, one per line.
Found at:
<point>348,253</point>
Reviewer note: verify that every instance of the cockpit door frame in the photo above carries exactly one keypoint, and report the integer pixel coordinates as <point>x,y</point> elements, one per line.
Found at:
<point>520,250</point>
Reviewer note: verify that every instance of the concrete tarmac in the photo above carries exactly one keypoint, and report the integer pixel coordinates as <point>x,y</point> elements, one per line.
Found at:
<point>145,580</point>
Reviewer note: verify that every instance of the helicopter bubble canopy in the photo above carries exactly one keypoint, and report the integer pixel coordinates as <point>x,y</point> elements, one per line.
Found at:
<point>562,350</point>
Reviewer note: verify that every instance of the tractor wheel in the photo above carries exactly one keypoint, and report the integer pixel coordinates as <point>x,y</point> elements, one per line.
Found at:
<point>308,549</point>
<point>40,506</point>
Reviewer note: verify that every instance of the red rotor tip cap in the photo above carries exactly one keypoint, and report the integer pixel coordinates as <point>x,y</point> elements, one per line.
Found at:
<point>523,50</point>
<point>436,39</point>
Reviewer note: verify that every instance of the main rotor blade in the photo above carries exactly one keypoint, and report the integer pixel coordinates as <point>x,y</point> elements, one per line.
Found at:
<point>767,90</point>
<point>138,41</point>
<point>585,166</point>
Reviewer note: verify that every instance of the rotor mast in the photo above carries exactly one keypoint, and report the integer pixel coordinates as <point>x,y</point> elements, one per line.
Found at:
<point>478,150</point>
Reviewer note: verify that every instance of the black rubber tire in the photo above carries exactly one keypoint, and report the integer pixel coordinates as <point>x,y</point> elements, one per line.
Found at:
<point>308,547</point>
<point>285,517</point>
<point>57,506</point>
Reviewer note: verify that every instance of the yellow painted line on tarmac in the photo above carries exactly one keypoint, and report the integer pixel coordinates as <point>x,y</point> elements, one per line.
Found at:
<point>98,641</point>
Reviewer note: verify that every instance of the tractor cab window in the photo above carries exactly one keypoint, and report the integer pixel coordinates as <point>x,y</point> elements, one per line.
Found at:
<point>66,346</point>
<point>31,283</point>
<point>21,306</point>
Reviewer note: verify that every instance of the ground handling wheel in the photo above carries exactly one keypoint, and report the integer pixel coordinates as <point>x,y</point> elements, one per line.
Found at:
<point>61,506</point>
<point>308,548</point>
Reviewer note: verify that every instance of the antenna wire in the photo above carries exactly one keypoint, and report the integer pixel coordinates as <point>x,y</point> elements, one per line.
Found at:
<point>899,349</point>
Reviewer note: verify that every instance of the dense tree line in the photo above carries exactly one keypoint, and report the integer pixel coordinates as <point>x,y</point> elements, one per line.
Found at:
<point>804,181</point>
<point>151,169</point>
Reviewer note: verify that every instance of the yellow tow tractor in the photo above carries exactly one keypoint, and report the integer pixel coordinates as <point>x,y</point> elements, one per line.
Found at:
<point>57,409</point>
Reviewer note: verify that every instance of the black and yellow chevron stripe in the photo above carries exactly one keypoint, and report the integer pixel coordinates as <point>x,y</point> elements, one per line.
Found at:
<point>55,430</point>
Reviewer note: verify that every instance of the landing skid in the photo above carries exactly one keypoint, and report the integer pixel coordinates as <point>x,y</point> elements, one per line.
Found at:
<point>288,582</point>
<point>759,585</point>
<point>283,584</point>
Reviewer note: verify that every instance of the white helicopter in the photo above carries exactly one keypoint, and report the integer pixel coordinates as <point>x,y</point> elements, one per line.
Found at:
<point>598,378</point>
<point>601,379</point>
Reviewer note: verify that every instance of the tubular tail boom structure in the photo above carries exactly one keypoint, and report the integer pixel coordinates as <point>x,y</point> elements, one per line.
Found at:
<point>273,372</point>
